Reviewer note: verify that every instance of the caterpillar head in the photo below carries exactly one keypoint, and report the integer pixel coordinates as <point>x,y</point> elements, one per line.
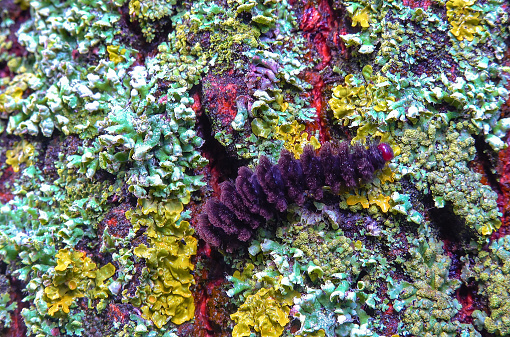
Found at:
<point>386,151</point>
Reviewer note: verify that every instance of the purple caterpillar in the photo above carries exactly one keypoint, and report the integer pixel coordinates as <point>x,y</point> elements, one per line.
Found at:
<point>258,196</point>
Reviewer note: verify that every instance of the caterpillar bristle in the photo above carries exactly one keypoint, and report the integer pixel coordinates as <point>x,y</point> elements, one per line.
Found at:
<point>258,196</point>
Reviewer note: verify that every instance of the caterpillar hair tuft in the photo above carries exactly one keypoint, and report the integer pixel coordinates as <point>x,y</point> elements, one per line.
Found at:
<point>259,195</point>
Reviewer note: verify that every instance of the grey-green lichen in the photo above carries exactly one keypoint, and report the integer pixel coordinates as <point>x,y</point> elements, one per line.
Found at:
<point>61,98</point>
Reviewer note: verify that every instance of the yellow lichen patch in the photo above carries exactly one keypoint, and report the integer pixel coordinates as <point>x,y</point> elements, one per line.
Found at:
<point>380,200</point>
<point>4,43</point>
<point>465,20</point>
<point>75,276</point>
<point>354,100</point>
<point>489,227</point>
<point>116,54</point>
<point>13,93</point>
<point>264,311</point>
<point>103,274</point>
<point>368,130</point>
<point>166,294</point>
<point>361,16</point>
<point>358,198</point>
<point>246,274</point>
<point>22,152</point>
<point>386,175</point>
<point>295,138</point>
<point>157,216</point>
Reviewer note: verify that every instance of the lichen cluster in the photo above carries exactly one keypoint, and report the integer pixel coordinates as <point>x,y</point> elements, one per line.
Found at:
<point>438,160</point>
<point>122,120</point>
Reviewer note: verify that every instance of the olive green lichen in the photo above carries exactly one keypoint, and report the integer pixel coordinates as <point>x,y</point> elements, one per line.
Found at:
<point>294,138</point>
<point>491,268</point>
<point>22,153</point>
<point>352,103</point>
<point>429,304</point>
<point>437,159</point>
<point>147,13</point>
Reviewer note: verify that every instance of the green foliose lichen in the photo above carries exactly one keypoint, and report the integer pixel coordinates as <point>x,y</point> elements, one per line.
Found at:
<point>7,306</point>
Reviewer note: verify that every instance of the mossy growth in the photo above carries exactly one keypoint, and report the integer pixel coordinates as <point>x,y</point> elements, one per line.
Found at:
<point>337,254</point>
<point>147,13</point>
<point>164,292</point>
<point>75,276</point>
<point>231,33</point>
<point>85,199</point>
<point>437,159</point>
<point>266,312</point>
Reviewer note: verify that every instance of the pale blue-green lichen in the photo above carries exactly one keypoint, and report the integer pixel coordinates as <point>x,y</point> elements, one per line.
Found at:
<point>63,99</point>
<point>155,138</point>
